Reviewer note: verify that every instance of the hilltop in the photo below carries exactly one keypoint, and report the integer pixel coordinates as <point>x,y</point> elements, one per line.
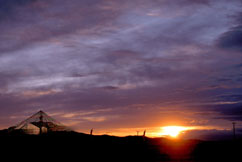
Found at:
<point>73,145</point>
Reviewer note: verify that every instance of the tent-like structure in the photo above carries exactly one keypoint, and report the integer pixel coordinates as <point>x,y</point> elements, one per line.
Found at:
<point>39,123</point>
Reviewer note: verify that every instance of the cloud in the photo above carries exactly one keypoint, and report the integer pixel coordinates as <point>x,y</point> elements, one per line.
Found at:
<point>32,22</point>
<point>160,55</point>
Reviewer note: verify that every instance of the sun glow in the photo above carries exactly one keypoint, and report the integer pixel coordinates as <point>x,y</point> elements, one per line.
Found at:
<point>172,131</point>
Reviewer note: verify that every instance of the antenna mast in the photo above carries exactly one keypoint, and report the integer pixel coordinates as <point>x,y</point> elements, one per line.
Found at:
<point>234,130</point>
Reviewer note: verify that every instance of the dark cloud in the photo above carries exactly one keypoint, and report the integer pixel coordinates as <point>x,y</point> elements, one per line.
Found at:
<point>211,134</point>
<point>232,113</point>
<point>7,7</point>
<point>232,39</point>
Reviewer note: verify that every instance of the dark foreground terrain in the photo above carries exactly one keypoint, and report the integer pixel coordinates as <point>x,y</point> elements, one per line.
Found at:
<point>69,147</point>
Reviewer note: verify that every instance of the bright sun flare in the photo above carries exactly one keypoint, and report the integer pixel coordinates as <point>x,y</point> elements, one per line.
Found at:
<point>172,131</point>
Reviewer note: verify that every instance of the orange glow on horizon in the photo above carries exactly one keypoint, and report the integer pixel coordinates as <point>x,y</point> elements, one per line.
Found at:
<point>173,131</point>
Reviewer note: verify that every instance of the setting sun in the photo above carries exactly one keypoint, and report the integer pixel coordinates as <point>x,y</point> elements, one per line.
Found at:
<point>172,131</point>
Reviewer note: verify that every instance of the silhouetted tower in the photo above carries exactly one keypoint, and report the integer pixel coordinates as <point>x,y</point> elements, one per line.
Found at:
<point>41,123</point>
<point>234,130</point>
<point>44,123</point>
<point>91,131</point>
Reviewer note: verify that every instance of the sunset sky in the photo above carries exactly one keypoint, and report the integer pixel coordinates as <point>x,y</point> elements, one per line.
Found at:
<point>122,66</point>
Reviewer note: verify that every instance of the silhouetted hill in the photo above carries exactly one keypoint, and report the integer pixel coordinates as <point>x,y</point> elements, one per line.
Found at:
<point>72,146</point>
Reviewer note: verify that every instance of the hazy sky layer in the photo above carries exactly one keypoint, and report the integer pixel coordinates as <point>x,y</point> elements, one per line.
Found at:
<point>121,65</point>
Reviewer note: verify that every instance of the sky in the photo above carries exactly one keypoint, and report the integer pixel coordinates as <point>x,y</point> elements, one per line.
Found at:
<point>121,66</point>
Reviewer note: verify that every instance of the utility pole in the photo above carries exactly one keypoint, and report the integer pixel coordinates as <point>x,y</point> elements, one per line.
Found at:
<point>137,133</point>
<point>234,130</point>
<point>144,133</point>
<point>91,137</point>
